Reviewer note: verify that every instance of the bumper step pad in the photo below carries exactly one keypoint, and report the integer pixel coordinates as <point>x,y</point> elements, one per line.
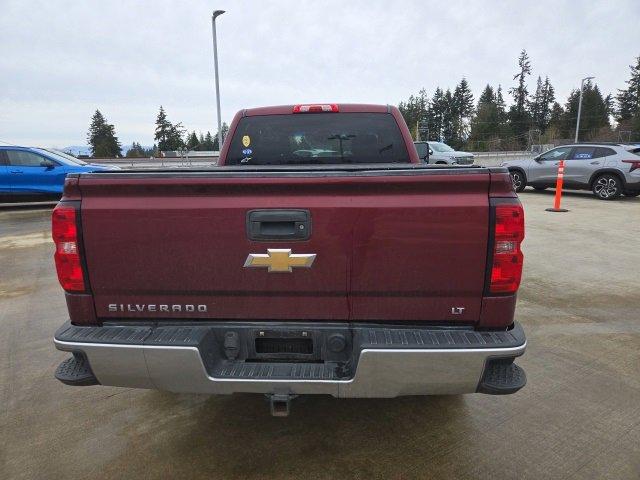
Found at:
<point>280,371</point>
<point>346,359</point>
<point>76,371</point>
<point>502,378</point>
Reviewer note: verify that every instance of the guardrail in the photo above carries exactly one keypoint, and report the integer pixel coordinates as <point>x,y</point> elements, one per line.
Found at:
<point>160,162</point>
<point>513,153</point>
<point>492,159</point>
<point>482,158</point>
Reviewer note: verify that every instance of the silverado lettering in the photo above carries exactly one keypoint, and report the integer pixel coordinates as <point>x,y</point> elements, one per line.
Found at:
<point>119,307</point>
<point>338,264</point>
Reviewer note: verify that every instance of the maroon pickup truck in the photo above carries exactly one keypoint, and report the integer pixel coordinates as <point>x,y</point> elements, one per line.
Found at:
<point>319,257</point>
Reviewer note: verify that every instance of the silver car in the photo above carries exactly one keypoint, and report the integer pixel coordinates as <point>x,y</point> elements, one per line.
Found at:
<point>442,154</point>
<point>607,169</point>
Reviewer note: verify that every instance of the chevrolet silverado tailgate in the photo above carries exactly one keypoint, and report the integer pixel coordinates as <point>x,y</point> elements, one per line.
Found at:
<point>389,244</point>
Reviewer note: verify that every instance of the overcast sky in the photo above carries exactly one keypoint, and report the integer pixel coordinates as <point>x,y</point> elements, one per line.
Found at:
<point>59,61</point>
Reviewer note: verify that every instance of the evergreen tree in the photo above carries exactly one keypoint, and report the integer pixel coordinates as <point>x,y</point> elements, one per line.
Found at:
<point>628,103</point>
<point>556,117</point>
<point>168,135</point>
<point>629,98</point>
<point>594,116</point>
<point>556,125</point>
<point>136,151</point>
<point>548,99</point>
<point>207,145</point>
<point>519,117</point>
<point>463,99</point>
<point>414,110</point>
<point>436,114</point>
<point>610,104</point>
<point>163,130</point>
<point>500,103</point>
<point>486,124</point>
<point>449,119</point>
<point>487,97</point>
<point>102,137</point>
<point>452,118</point>
<point>535,104</point>
<point>176,141</point>
<point>201,142</point>
<point>461,111</point>
<point>540,104</point>
<point>192,141</point>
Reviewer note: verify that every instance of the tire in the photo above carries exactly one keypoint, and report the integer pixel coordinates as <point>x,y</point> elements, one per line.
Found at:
<point>540,188</point>
<point>607,186</point>
<point>441,163</point>
<point>632,194</point>
<point>518,179</point>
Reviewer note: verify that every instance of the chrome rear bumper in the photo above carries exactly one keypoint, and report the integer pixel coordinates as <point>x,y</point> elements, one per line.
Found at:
<point>384,362</point>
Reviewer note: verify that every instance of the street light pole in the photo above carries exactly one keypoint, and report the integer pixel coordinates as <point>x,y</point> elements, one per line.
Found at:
<point>580,106</point>
<point>217,13</point>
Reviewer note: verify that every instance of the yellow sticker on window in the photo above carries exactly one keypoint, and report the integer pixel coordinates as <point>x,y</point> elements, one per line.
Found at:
<point>246,140</point>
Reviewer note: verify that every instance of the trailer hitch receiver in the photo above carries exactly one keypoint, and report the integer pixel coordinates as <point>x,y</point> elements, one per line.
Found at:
<point>279,404</point>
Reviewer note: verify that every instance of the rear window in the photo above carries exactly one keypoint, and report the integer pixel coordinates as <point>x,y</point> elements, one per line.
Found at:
<point>317,138</point>
<point>605,152</point>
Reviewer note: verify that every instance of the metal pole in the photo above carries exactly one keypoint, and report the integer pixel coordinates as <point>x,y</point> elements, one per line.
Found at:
<point>580,106</point>
<point>215,66</point>
<point>579,112</point>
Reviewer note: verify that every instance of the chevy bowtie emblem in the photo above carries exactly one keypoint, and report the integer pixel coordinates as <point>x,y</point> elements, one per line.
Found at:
<point>280,260</point>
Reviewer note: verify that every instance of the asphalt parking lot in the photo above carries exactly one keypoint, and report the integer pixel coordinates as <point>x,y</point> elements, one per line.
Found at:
<point>578,417</point>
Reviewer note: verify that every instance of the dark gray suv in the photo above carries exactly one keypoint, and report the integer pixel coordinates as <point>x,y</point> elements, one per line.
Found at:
<point>608,170</point>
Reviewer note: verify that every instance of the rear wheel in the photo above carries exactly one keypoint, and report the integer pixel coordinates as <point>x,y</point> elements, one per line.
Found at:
<point>632,194</point>
<point>607,187</point>
<point>519,182</point>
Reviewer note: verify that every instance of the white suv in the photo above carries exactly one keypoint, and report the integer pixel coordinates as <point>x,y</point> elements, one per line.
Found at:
<point>607,169</point>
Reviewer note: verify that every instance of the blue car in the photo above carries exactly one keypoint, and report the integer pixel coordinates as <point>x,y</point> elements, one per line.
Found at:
<point>38,171</point>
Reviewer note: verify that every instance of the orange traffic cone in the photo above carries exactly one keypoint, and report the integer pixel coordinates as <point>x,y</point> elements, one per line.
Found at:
<point>559,180</point>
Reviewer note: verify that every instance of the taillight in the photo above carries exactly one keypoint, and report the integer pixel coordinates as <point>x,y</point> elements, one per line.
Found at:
<point>316,108</point>
<point>506,267</point>
<point>635,164</point>
<point>67,257</point>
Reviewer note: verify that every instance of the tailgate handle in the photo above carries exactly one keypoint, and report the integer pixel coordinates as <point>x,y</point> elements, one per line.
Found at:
<point>278,224</point>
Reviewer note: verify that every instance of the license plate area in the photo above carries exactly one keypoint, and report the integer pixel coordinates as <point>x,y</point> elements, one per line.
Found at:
<point>286,345</point>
